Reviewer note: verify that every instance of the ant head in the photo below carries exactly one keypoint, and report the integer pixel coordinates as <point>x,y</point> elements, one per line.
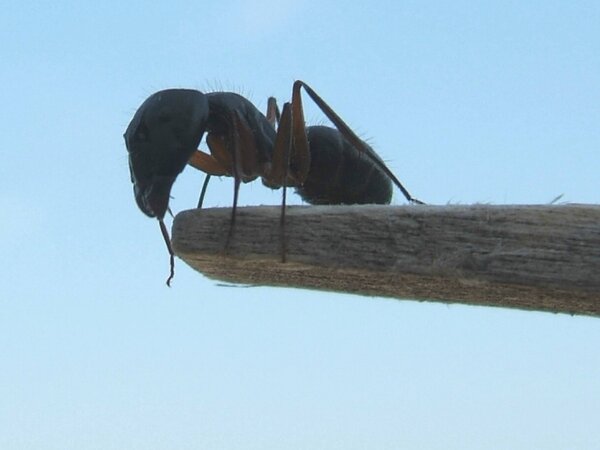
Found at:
<point>162,136</point>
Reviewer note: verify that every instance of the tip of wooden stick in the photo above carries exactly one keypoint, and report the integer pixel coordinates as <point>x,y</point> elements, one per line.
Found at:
<point>540,257</point>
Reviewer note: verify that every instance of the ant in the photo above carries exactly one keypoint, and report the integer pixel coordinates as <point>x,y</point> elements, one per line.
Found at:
<point>164,134</point>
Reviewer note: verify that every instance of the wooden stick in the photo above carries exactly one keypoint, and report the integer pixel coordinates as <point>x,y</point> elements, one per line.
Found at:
<point>544,258</point>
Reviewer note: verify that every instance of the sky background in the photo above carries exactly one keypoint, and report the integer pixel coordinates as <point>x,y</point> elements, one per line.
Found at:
<point>489,102</point>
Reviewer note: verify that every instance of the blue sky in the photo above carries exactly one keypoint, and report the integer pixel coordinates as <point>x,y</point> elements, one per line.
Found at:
<point>494,102</point>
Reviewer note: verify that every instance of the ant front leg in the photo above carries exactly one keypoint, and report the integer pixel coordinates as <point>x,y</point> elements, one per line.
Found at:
<point>203,191</point>
<point>209,165</point>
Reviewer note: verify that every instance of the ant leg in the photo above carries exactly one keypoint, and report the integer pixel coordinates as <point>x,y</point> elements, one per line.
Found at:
<point>208,163</point>
<point>300,157</point>
<point>282,149</point>
<point>280,167</point>
<point>236,190</point>
<point>291,154</point>
<point>235,166</point>
<point>287,150</point>
<point>247,153</point>
<point>349,134</point>
<point>273,116</point>
<point>165,233</point>
<point>203,192</point>
<point>244,161</point>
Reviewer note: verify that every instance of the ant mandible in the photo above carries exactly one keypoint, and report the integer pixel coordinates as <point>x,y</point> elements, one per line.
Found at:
<point>164,134</point>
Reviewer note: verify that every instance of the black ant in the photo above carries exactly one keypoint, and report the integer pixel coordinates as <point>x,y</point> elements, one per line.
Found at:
<point>164,134</point>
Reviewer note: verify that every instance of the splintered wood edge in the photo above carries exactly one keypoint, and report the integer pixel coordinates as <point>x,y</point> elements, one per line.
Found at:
<point>544,258</point>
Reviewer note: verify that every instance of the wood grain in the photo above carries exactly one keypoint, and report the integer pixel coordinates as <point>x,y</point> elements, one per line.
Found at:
<point>544,258</point>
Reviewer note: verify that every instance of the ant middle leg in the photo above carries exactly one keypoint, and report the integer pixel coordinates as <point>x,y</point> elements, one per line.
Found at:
<point>273,116</point>
<point>291,158</point>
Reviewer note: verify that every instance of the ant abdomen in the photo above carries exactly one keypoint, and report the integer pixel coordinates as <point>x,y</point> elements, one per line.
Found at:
<point>340,174</point>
